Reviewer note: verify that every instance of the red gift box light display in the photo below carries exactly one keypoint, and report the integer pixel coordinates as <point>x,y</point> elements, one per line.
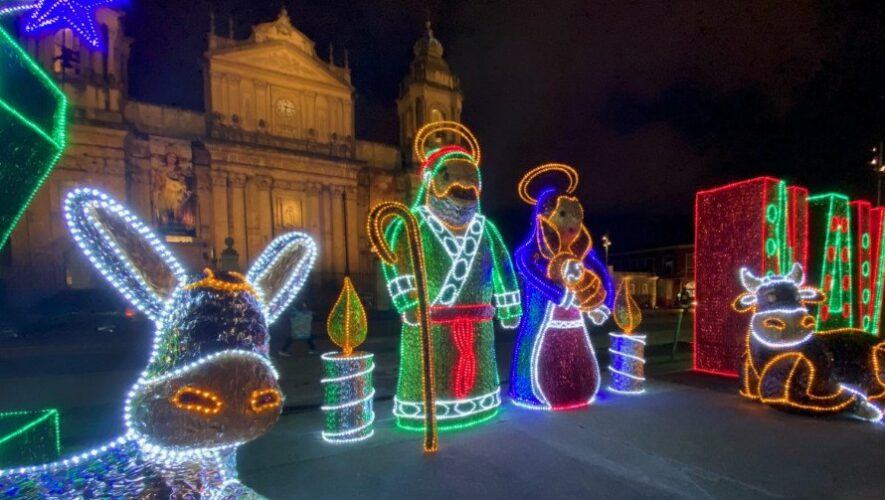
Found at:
<point>765,225</point>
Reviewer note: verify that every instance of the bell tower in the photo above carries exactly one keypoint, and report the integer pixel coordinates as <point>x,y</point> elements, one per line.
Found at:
<point>430,92</point>
<point>93,76</point>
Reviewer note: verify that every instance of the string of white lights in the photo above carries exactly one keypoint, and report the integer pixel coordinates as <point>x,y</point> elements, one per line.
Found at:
<point>448,408</point>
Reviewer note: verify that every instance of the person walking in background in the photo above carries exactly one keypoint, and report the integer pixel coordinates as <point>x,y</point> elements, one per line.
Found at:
<point>300,321</point>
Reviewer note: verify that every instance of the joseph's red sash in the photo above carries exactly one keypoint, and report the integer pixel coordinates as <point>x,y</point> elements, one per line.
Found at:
<point>462,321</point>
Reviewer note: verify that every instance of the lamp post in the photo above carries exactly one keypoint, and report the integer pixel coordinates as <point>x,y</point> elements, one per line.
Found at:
<point>606,242</point>
<point>878,165</point>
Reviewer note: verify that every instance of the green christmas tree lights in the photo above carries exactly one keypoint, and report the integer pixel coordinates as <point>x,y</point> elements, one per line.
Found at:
<point>29,436</point>
<point>33,117</point>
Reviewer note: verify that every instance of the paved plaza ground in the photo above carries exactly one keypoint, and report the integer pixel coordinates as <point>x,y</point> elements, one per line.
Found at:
<point>690,436</point>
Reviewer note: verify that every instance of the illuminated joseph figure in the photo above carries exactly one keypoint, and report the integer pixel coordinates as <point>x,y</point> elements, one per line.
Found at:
<point>209,385</point>
<point>470,280</point>
<point>554,365</point>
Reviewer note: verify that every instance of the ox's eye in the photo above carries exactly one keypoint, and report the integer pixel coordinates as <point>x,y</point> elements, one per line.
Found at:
<point>264,400</point>
<point>197,400</point>
<point>771,297</point>
<point>774,323</point>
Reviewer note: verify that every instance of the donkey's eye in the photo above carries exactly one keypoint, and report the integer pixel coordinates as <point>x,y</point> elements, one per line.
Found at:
<point>774,323</point>
<point>197,400</point>
<point>265,399</point>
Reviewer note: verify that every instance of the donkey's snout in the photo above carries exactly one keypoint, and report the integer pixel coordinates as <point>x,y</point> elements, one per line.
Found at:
<point>265,400</point>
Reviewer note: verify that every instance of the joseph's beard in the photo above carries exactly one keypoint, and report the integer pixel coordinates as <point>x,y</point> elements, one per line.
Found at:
<point>450,211</point>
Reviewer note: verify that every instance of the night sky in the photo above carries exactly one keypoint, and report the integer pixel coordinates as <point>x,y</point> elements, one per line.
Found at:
<point>650,101</point>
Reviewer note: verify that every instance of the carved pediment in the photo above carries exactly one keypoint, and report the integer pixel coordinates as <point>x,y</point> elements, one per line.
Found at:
<point>281,29</point>
<point>280,48</point>
<point>280,58</point>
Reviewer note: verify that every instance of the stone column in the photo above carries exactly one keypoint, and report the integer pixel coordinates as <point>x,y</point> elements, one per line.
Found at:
<point>220,222</point>
<point>138,187</point>
<point>309,100</point>
<point>215,93</point>
<point>222,105</point>
<point>204,204</point>
<point>262,110</point>
<point>138,176</point>
<point>298,189</point>
<point>253,230</point>
<point>312,219</point>
<point>265,212</point>
<point>353,230</point>
<point>338,229</point>
<point>238,214</point>
<point>327,224</point>
<point>234,102</point>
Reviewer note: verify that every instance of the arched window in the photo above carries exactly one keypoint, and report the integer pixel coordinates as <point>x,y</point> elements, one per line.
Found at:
<point>66,52</point>
<point>436,116</point>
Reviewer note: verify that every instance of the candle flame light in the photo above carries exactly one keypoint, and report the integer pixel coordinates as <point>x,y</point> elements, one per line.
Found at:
<point>347,324</point>
<point>627,314</point>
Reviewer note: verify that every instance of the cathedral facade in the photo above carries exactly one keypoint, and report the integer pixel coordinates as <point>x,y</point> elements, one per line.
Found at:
<point>274,151</point>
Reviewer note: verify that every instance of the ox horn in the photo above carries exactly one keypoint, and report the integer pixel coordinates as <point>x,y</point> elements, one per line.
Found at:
<point>796,274</point>
<point>751,283</point>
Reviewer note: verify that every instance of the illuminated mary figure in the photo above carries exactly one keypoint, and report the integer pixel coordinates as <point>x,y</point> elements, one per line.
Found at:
<point>554,366</point>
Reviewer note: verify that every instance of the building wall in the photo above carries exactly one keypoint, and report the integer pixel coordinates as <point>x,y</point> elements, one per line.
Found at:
<point>673,266</point>
<point>244,170</point>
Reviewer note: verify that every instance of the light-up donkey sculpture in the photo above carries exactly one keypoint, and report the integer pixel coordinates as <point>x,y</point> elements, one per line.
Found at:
<point>209,385</point>
<point>791,367</point>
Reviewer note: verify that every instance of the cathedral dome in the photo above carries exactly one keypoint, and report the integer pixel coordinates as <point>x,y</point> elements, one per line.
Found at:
<point>428,45</point>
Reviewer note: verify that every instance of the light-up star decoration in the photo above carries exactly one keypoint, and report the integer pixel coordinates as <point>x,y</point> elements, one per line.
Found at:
<point>78,15</point>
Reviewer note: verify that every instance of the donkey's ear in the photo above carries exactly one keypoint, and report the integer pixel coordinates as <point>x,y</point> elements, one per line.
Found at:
<point>126,252</point>
<point>281,270</point>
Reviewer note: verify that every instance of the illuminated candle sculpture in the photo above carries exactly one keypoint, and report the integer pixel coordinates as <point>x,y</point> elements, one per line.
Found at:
<point>347,386</point>
<point>627,349</point>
